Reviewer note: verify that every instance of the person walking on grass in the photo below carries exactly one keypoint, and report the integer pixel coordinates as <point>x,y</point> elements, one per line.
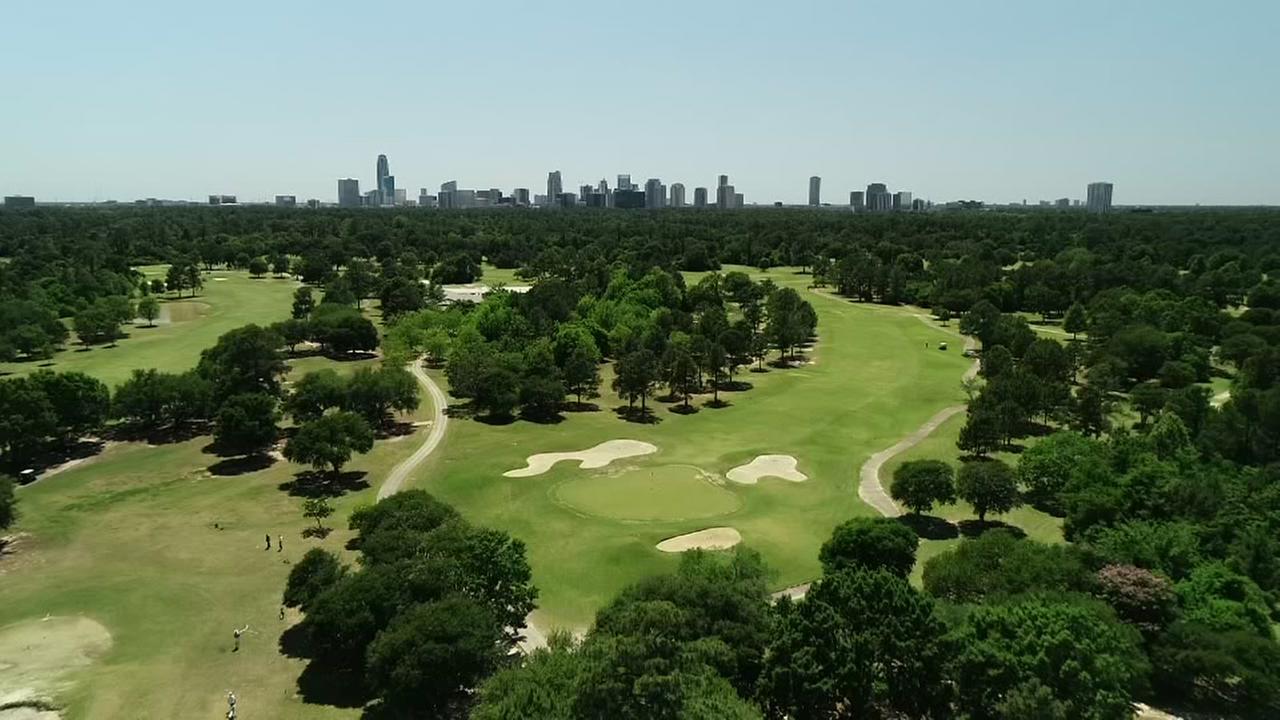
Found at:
<point>268,547</point>
<point>279,543</point>
<point>235,634</point>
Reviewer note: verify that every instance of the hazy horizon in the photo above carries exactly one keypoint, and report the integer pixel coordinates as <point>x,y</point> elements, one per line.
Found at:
<point>1174,103</point>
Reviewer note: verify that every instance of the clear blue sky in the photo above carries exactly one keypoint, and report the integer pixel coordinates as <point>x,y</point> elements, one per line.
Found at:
<point>1174,101</point>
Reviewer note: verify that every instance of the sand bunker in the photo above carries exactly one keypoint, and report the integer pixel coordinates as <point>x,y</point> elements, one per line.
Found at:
<point>596,457</point>
<point>37,656</point>
<point>779,466</point>
<point>716,538</point>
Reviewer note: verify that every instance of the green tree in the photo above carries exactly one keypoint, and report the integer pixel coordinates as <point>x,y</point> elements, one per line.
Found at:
<point>870,544</point>
<point>680,372</point>
<point>401,295</point>
<point>246,424</point>
<point>431,655</point>
<point>921,484</point>
<point>1091,665</point>
<point>314,394</point>
<point>258,267</point>
<point>981,433</point>
<point>1218,598</point>
<point>80,403</point>
<point>317,571</point>
<point>8,502</point>
<point>635,375</point>
<point>245,360</point>
<point>280,264</point>
<point>149,310</point>
<point>1045,468</point>
<point>342,330</point>
<point>1228,674</point>
<point>304,301</point>
<point>989,486</point>
<point>543,686</point>
<point>996,564</point>
<point>317,509</point>
<point>861,644</point>
<point>1076,321</point>
<point>375,394</point>
<point>329,441</point>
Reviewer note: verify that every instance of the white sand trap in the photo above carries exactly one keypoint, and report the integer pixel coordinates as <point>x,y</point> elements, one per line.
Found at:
<point>36,656</point>
<point>779,466</point>
<point>596,457</point>
<point>716,538</point>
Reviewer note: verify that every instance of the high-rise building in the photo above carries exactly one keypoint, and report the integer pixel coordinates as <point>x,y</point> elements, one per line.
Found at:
<point>373,198</point>
<point>628,199</point>
<point>401,196</point>
<point>624,182</point>
<point>554,187</point>
<point>286,201</point>
<point>1099,198</point>
<point>348,192</point>
<point>857,201</point>
<point>878,198</point>
<point>1063,203</point>
<point>22,202</point>
<point>521,196</point>
<point>815,191</point>
<point>737,199</point>
<point>425,198</point>
<point>222,199</point>
<point>723,180</point>
<point>566,200</point>
<point>677,194</point>
<point>386,182</point>
<point>700,197</point>
<point>902,200</point>
<point>655,194</point>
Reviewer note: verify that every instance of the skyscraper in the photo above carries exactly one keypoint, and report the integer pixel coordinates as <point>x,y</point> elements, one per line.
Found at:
<point>724,193</point>
<point>677,194</point>
<point>815,191</point>
<point>1099,197</point>
<point>521,196</point>
<point>700,197</point>
<point>878,198</point>
<point>554,186</point>
<point>902,200</point>
<point>348,192</point>
<point>857,201</point>
<point>655,194</point>
<point>386,191</point>
<point>624,182</point>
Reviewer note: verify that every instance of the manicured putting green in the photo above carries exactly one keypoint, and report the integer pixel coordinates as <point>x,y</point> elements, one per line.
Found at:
<point>661,492</point>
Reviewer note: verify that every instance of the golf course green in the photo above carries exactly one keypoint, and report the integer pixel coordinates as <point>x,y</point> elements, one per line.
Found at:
<point>662,492</point>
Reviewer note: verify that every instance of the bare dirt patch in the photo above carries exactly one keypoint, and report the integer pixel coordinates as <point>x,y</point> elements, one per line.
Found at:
<point>716,538</point>
<point>779,466</point>
<point>595,457</point>
<point>37,658</point>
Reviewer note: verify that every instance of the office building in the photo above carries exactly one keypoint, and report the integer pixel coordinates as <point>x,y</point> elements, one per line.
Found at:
<point>628,199</point>
<point>700,197</point>
<point>655,194</point>
<point>857,201</point>
<point>348,192</point>
<point>425,198</point>
<point>917,205</point>
<point>677,195</point>
<point>1063,203</point>
<point>521,196</point>
<point>386,182</point>
<point>723,180</point>
<point>554,187</point>
<point>373,198</point>
<point>400,195</point>
<point>25,202</point>
<point>737,200</point>
<point>624,182</point>
<point>878,198</point>
<point>584,191</point>
<point>286,201</point>
<point>595,199</point>
<point>1098,199</point>
<point>566,200</point>
<point>313,204</point>
<point>222,199</point>
<point>902,200</point>
<point>815,191</point>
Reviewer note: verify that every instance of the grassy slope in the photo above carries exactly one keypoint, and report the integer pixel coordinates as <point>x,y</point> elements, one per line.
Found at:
<point>128,539</point>
<point>873,381</point>
<point>232,301</point>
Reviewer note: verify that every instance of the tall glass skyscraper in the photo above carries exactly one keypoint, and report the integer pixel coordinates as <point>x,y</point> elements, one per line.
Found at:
<point>386,182</point>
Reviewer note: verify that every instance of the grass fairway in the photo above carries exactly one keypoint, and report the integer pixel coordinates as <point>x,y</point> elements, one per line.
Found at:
<point>168,557</point>
<point>871,382</point>
<point>186,326</point>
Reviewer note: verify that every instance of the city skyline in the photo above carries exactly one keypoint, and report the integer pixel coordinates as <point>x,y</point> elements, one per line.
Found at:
<point>994,103</point>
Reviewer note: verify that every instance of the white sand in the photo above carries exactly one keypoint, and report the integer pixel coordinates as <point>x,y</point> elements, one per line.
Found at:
<point>779,466</point>
<point>596,457</point>
<point>716,538</point>
<point>37,655</point>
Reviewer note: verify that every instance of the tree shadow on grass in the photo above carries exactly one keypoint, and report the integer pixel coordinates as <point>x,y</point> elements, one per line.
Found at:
<point>684,409</point>
<point>181,432</point>
<point>322,683</point>
<point>735,386</point>
<point>542,418</point>
<point>232,466</point>
<point>644,416</point>
<point>394,429</point>
<point>79,449</point>
<point>972,528</point>
<point>316,484</point>
<point>716,404</point>
<point>575,406</point>
<point>930,527</point>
